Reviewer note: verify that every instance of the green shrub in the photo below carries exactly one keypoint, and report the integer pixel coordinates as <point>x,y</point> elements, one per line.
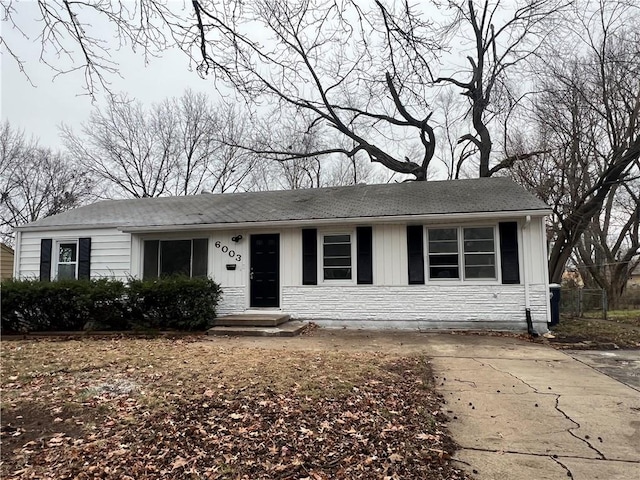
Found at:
<point>105,304</point>
<point>20,305</point>
<point>34,305</point>
<point>180,303</point>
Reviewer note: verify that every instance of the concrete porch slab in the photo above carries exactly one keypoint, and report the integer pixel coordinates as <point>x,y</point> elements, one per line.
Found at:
<point>288,329</point>
<point>252,320</point>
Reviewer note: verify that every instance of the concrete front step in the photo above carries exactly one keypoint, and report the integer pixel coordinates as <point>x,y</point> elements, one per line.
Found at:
<point>287,329</point>
<point>252,320</point>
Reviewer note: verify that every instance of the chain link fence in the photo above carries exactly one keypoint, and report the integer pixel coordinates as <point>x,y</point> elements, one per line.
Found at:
<point>578,301</point>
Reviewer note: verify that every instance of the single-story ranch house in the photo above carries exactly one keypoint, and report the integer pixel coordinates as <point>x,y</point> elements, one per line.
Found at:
<point>461,254</point>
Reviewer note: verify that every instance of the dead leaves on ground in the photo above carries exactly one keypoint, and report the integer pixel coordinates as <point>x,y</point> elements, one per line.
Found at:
<point>237,414</point>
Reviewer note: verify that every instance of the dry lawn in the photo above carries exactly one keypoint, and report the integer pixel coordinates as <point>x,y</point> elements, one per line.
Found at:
<point>621,329</point>
<point>191,408</point>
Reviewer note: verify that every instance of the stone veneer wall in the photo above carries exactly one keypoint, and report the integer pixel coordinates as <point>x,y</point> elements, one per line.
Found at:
<point>418,307</point>
<point>233,301</point>
<point>497,307</point>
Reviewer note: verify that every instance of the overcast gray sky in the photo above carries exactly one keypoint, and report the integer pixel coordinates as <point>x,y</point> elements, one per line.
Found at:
<point>40,108</point>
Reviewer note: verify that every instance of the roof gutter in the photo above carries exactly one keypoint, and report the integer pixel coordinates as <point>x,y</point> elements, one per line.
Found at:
<point>58,228</point>
<point>440,217</point>
<point>448,217</point>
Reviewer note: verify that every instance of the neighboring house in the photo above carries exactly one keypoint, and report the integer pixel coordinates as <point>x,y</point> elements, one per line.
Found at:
<point>449,254</point>
<point>6,262</point>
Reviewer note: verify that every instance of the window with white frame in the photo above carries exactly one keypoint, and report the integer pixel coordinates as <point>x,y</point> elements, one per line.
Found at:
<point>444,261</point>
<point>67,261</point>
<point>467,249</point>
<point>479,252</point>
<point>336,257</point>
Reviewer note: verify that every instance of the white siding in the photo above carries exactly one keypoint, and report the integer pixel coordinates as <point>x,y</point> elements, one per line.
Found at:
<point>500,307</point>
<point>390,255</point>
<point>291,256</point>
<point>536,251</point>
<point>220,249</point>
<point>110,252</point>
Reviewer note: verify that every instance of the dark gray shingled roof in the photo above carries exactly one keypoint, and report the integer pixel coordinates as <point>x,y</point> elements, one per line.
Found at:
<point>482,195</point>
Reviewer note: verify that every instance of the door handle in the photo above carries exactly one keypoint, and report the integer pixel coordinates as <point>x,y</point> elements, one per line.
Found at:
<point>251,275</point>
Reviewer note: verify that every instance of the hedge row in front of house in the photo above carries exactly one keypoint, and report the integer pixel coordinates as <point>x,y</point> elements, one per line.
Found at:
<point>176,303</point>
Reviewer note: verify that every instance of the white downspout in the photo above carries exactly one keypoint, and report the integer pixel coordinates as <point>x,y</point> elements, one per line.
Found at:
<point>526,247</point>
<point>525,260</point>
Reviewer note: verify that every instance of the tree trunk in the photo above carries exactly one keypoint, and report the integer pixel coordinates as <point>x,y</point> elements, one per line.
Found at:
<point>484,146</point>
<point>559,257</point>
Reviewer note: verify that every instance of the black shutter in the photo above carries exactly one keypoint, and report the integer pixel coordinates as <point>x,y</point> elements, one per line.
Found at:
<point>365,255</point>
<point>509,252</point>
<point>150,259</point>
<point>45,259</point>
<point>84,258</point>
<point>309,256</point>
<point>415,251</point>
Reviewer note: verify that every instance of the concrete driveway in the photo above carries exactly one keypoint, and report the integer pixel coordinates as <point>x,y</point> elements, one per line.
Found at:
<point>623,365</point>
<point>526,411</point>
<point>519,410</point>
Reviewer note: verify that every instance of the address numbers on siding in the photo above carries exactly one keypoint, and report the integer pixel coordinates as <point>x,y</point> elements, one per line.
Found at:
<point>226,250</point>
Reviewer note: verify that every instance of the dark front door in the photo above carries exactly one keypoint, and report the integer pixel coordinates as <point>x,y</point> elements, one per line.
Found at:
<point>265,270</point>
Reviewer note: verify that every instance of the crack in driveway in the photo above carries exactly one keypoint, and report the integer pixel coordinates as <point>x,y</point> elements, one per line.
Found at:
<point>545,455</point>
<point>557,396</point>
<point>567,469</point>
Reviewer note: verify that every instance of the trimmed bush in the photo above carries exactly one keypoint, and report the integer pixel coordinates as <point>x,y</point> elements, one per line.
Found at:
<point>108,308</point>
<point>34,305</point>
<point>180,303</point>
<point>72,305</point>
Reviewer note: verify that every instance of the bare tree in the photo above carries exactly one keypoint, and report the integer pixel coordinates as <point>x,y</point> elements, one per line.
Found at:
<point>308,171</point>
<point>588,124</point>
<point>608,249</point>
<point>231,168</point>
<point>363,69</point>
<point>67,31</point>
<point>498,46</point>
<point>35,182</point>
<point>287,135</point>
<point>119,145</point>
<point>339,62</point>
<point>452,152</point>
<point>357,170</point>
<point>178,147</point>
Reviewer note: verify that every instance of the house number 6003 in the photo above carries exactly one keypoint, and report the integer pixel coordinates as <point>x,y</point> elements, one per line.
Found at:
<point>228,251</point>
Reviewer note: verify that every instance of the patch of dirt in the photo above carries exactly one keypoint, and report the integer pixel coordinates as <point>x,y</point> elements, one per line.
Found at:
<point>596,334</point>
<point>33,423</point>
<point>122,408</point>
